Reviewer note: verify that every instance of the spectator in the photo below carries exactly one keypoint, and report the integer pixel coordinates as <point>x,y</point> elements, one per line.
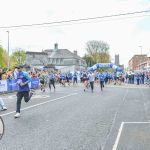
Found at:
<point>2,105</point>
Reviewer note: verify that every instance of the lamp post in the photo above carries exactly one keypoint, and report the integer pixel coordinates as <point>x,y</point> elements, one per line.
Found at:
<point>141,59</point>
<point>8,50</point>
<point>141,49</point>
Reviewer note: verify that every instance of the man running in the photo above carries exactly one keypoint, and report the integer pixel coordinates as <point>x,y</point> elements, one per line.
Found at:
<point>101,79</point>
<point>22,80</point>
<point>85,80</point>
<point>91,77</point>
<point>51,80</point>
<point>42,78</point>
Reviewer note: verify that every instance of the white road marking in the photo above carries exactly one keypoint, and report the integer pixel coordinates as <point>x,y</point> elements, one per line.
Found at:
<point>115,116</point>
<point>118,136</point>
<point>26,108</point>
<point>10,97</point>
<point>120,131</point>
<point>136,122</point>
<point>33,97</point>
<point>41,96</point>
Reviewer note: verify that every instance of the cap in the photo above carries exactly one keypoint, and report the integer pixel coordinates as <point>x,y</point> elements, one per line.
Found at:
<point>19,66</point>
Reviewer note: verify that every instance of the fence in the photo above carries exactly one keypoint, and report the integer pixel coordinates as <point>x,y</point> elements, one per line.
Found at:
<point>10,85</point>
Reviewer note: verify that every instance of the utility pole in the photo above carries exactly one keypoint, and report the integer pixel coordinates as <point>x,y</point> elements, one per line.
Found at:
<point>20,56</point>
<point>8,63</point>
<point>141,59</point>
<point>141,49</point>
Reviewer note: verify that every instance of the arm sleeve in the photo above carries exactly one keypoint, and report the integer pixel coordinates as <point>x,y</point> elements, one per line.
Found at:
<point>27,77</point>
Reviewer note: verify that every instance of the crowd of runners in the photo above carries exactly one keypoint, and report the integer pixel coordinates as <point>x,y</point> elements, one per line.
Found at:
<point>50,78</point>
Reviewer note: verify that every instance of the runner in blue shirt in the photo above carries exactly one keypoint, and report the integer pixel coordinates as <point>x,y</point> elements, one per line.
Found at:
<point>62,79</point>
<point>101,79</point>
<point>51,80</point>
<point>22,80</point>
<point>75,78</point>
<point>69,78</point>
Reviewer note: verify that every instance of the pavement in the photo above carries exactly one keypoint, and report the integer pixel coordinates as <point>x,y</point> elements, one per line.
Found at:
<point>70,119</point>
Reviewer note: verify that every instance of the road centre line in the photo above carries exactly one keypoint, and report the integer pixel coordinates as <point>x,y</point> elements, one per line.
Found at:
<point>26,108</point>
<point>118,136</point>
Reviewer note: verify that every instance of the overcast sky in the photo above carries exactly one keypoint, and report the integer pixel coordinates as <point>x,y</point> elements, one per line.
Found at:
<point>123,34</point>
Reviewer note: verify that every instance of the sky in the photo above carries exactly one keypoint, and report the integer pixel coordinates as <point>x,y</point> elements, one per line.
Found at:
<point>126,35</point>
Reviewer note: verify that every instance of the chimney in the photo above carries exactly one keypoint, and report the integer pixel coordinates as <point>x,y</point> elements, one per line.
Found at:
<point>75,52</point>
<point>55,46</point>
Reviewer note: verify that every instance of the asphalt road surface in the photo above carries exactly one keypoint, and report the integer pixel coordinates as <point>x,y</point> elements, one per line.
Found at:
<point>70,119</point>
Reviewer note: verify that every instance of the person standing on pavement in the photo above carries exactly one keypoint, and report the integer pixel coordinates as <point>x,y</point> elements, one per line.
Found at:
<point>1,73</point>
<point>2,105</point>
<point>23,89</point>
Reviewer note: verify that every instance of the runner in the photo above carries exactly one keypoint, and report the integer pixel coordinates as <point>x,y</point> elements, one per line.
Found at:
<point>22,80</point>
<point>91,77</point>
<point>69,78</point>
<point>62,79</point>
<point>85,80</point>
<point>51,80</point>
<point>75,78</point>
<point>96,78</point>
<point>42,78</point>
<point>101,79</point>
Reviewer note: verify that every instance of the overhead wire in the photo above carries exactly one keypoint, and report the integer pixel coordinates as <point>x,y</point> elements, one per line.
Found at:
<point>75,20</point>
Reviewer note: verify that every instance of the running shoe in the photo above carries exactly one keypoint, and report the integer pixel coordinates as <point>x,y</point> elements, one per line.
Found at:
<point>17,115</point>
<point>4,108</point>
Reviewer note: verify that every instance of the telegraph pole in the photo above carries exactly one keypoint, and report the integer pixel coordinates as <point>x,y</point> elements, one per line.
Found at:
<point>8,63</point>
<point>141,49</point>
<point>141,59</point>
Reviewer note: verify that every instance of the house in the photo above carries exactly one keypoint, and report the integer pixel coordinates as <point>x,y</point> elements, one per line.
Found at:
<point>63,59</point>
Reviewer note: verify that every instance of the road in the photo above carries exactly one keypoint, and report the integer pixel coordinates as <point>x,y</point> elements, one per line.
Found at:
<point>69,119</point>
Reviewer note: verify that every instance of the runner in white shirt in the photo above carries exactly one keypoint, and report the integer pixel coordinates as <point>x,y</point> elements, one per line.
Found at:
<point>91,77</point>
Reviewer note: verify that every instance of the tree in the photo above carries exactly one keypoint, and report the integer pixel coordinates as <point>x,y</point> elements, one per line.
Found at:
<point>18,56</point>
<point>98,50</point>
<point>89,60</point>
<point>3,57</point>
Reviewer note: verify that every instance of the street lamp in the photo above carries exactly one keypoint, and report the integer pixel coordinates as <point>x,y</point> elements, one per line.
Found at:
<point>141,59</point>
<point>141,49</point>
<point>8,51</point>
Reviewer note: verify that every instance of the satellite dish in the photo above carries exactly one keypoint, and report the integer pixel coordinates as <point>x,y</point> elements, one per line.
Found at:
<point>1,127</point>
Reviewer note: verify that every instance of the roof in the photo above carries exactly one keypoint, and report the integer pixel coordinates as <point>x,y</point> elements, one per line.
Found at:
<point>40,53</point>
<point>62,53</point>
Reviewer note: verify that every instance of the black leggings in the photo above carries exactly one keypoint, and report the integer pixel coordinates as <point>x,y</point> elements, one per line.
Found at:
<point>51,82</point>
<point>92,85</point>
<point>102,85</point>
<point>20,95</point>
<point>74,80</point>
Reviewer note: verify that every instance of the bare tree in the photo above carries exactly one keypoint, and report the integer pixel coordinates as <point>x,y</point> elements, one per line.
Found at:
<point>98,50</point>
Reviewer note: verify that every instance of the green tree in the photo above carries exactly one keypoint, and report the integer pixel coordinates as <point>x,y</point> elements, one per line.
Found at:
<point>89,60</point>
<point>98,50</point>
<point>3,57</point>
<point>18,56</point>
